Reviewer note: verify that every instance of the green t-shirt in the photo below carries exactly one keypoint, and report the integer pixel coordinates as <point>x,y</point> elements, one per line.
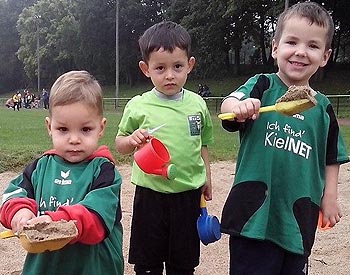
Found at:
<point>280,169</point>
<point>187,128</point>
<point>95,184</point>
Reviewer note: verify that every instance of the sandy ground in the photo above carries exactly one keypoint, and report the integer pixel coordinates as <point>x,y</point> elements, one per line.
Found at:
<point>331,252</point>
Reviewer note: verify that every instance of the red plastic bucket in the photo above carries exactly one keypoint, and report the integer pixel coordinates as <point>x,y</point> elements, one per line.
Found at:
<point>153,158</point>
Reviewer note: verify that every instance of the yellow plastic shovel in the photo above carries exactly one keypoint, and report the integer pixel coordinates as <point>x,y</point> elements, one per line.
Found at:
<point>38,245</point>
<point>288,108</point>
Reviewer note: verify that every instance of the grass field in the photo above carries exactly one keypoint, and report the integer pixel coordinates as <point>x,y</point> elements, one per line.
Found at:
<point>23,137</point>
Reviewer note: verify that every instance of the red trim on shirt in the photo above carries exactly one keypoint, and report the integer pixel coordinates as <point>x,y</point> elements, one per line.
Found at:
<point>10,208</point>
<point>90,228</point>
<point>101,152</point>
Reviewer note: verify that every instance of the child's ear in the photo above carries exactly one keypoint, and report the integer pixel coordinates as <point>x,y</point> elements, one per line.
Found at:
<point>274,49</point>
<point>102,126</point>
<point>191,63</point>
<point>144,68</point>
<point>48,125</point>
<point>326,56</point>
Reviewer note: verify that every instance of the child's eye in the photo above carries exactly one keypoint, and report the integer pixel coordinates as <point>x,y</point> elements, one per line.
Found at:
<point>86,129</point>
<point>314,46</point>
<point>62,129</point>
<point>178,66</point>
<point>291,42</point>
<point>160,68</point>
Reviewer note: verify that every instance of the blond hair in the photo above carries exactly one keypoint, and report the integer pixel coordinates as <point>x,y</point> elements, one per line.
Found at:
<point>315,13</point>
<point>76,86</point>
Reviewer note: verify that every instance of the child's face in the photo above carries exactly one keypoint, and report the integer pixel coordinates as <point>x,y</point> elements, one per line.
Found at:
<point>300,51</point>
<point>75,130</point>
<point>168,70</point>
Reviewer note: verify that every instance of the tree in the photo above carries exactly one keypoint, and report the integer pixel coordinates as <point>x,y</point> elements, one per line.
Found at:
<point>135,18</point>
<point>11,69</point>
<point>97,38</point>
<point>58,36</point>
<point>208,29</point>
<point>341,41</point>
<point>79,34</point>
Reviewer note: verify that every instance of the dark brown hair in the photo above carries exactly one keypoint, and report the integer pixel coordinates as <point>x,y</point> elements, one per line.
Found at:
<point>167,35</point>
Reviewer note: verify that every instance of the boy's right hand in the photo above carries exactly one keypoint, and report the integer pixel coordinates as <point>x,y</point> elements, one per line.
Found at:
<point>246,109</point>
<point>138,138</point>
<point>20,219</point>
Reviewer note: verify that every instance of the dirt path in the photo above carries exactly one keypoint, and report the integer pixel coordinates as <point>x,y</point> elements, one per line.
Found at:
<point>331,253</point>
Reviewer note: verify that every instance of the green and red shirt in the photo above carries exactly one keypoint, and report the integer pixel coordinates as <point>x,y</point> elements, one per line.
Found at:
<point>88,193</point>
<point>280,171</point>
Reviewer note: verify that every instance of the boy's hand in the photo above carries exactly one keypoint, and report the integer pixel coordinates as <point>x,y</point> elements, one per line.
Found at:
<point>330,212</point>
<point>138,138</point>
<point>207,191</point>
<point>247,108</point>
<point>21,219</point>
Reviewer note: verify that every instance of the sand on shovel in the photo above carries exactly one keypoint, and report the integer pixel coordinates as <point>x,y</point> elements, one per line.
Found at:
<point>55,230</point>
<point>296,93</point>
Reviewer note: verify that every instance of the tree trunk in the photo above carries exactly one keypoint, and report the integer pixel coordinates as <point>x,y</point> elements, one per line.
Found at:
<point>237,61</point>
<point>262,40</point>
<point>286,4</point>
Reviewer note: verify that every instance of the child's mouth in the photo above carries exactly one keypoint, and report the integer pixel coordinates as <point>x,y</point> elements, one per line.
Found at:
<point>299,64</point>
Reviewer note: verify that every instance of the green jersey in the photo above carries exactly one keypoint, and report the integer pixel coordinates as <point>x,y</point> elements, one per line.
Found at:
<point>280,172</point>
<point>63,189</point>
<point>187,128</point>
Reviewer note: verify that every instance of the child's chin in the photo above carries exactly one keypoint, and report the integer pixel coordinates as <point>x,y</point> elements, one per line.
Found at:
<point>74,159</point>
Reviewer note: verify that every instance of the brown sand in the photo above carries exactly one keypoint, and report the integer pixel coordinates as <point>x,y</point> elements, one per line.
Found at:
<point>44,231</point>
<point>331,252</point>
<point>296,93</point>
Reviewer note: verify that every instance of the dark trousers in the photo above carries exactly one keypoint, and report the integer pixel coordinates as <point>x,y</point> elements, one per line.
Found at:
<point>254,257</point>
<point>16,106</point>
<point>164,231</point>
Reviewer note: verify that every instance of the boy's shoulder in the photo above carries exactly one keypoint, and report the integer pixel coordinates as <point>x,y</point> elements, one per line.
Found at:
<point>194,96</point>
<point>140,97</point>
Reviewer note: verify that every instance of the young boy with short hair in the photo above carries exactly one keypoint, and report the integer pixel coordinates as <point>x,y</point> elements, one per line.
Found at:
<point>287,166</point>
<point>165,211</point>
<point>76,180</point>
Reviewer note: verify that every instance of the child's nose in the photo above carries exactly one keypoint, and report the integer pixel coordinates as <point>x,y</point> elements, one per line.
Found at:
<point>300,51</point>
<point>169,74</point>
<point>74,138</point>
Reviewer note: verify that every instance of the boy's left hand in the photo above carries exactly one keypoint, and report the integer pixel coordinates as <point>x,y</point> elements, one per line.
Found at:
<point>331,212</point>
<point>207,191</point>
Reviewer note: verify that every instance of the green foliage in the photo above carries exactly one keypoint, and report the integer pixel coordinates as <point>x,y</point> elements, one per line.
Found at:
<point>12,74</point>
<point>54,25</point>
<point>228,36</point>
<point>134,18</point>
<point>96,28</point>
